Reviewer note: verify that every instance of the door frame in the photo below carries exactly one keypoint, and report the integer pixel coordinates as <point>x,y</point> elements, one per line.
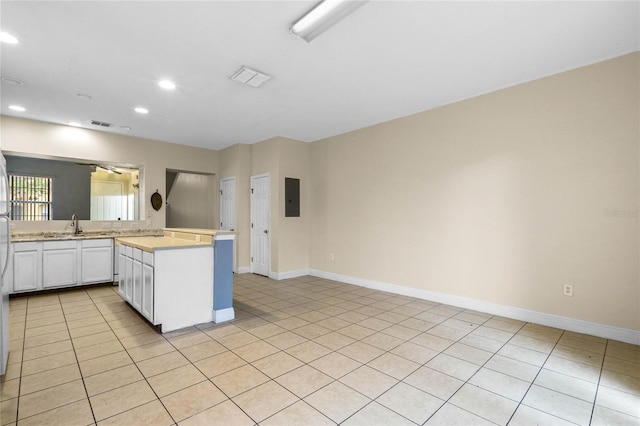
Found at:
<point>268,214</point>
<point>227,179</point>
<point>235,215</point>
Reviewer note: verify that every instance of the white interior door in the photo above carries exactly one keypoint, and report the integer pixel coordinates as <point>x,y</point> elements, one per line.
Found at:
<point>260,193</point>
<point>228,203</point>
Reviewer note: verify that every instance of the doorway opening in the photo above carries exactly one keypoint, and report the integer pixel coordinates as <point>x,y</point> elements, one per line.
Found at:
<point>191,200</point>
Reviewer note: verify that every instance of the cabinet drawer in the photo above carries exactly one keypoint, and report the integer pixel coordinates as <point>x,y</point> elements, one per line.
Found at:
<point>147,258</point>
<point>128,251</point>
<point>19,247</point>
<point>103,242</point>
<point>59,245</point>
<point>137,254</point>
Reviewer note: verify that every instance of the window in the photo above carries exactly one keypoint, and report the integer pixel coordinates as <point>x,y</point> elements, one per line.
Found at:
<point>30,197</point>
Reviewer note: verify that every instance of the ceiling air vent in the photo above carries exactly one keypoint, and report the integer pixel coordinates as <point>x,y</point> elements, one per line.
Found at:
<point>100,123</point>
<point>250,77</point>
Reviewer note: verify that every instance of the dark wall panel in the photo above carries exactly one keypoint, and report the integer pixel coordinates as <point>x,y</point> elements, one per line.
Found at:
<point>71,184</point>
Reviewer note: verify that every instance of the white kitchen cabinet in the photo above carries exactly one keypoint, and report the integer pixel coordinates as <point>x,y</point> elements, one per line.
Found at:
<point>60,260</point>
<point>147,290</point>
<point>122,272</point>
<point>136,279</point>
<point>27,267</point>
<point>97,262</point>
<point>136,296</point>
<point>38,265</point>
<point>176,283</point>
<point>128,274</point>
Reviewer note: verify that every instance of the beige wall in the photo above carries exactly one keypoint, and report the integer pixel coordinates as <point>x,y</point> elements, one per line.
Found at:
<point>500,198</point>
<point>235,161</point>
<point>46,139</point>
<point>265,160</point>
<point>293,247</point>
<point>278,157</point>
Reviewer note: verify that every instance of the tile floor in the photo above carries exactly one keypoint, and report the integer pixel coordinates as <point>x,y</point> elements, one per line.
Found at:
<point>307,351</point>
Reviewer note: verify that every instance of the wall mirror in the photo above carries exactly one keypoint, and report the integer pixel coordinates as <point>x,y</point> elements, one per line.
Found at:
<point>43,189</point>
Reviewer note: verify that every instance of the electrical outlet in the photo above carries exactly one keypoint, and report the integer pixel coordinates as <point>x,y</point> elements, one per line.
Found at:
<point>567,289</point>
<point>332,257</point>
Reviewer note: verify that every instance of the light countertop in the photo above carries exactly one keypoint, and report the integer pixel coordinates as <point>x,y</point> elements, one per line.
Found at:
<point>211,232</point>
<point>151,244</point>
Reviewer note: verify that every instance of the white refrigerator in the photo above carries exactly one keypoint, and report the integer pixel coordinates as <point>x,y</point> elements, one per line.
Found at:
<point>4,260</point>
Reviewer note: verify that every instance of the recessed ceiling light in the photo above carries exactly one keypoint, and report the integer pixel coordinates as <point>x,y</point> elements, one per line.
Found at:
<point>74,124</point>
<point>8,38</point>
<point>141,110</point>
<point>12,81</point>
<point>83,96</point>
<point>17,108</point>
<point>166,84</point>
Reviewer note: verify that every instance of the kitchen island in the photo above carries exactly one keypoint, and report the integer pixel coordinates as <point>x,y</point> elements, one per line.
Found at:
<point>223,267</point>
<point>172,280</point>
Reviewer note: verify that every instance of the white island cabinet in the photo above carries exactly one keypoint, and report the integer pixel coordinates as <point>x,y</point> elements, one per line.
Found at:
<point>168,281</point>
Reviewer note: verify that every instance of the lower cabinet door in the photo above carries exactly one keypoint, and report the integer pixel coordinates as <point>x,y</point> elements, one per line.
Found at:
<point>96,265</point>
<point>128,278</point>
<point>122,276</point>
<point>27,275</point>
<point>147,292</point>
<point>137,285</point>
<point>59,267</point>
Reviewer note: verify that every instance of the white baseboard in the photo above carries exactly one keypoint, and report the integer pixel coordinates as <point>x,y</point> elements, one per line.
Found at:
<point>288,274</point>
<point>550,320</point>
<point>222,315</point>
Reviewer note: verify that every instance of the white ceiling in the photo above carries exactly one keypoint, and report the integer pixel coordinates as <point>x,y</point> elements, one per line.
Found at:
<point>389,59</point>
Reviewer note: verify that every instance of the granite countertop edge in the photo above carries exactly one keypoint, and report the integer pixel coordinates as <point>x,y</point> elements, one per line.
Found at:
<point>18,237</point>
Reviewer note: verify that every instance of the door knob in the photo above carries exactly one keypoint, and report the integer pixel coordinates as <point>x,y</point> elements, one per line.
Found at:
<point>266,231</point>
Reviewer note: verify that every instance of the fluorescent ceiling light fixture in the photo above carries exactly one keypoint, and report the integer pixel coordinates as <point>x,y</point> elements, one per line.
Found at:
<point>141,110</point>
<point>8,38</point>
<point>17,108</point>
<point>109,169</point>
<point>250,77</point>
<point>166,84</point>
<point>74,124</point>
<point>323,16</point>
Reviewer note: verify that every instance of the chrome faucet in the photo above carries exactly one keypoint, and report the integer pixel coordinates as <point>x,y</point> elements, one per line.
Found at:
<point>75,223</point>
